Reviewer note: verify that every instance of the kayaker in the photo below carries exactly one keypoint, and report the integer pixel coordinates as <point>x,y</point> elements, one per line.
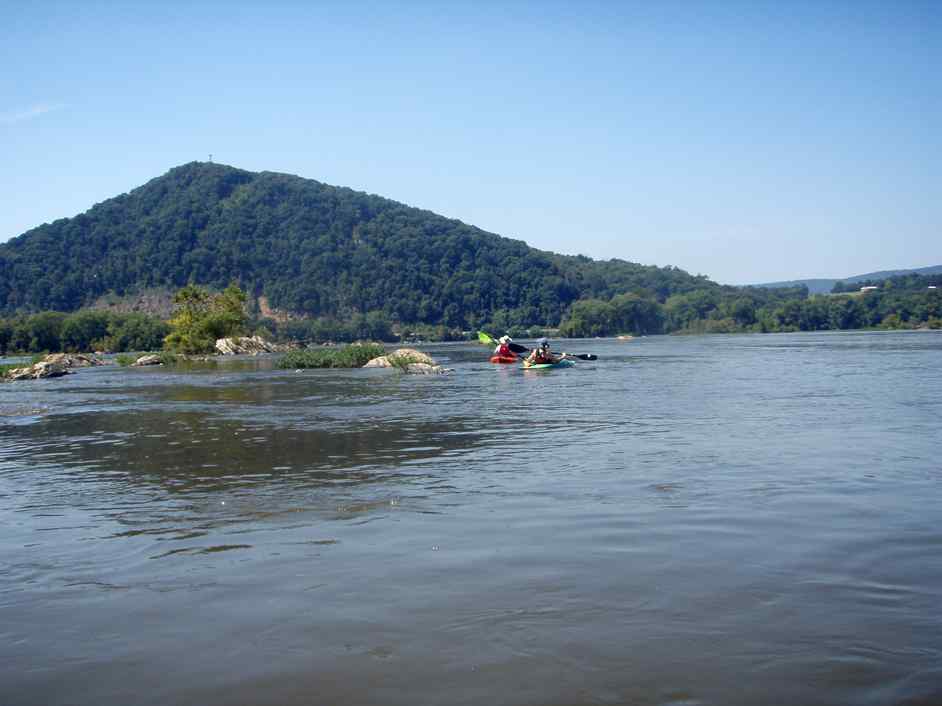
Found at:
<point>503,350</point>
<point>542,354</point>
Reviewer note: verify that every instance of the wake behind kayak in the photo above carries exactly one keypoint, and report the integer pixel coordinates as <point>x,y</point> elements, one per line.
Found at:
<point>564,363</point>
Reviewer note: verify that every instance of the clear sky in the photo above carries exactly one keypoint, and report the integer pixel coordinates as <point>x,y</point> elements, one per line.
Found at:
<point>748,141</point>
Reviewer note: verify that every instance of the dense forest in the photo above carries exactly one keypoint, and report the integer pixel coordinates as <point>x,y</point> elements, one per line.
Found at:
<point>342,265</point>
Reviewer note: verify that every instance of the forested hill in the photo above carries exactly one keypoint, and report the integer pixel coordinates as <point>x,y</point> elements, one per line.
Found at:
<point>312,249</point>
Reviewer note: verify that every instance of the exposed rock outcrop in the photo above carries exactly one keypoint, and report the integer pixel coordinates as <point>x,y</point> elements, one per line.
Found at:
<point>409,360</point>
<point>279,315</point>
<point>54,365</point>
<point>37,371</point>
<point>154,302</point>
<point>74,360</point>
<point>148,360</point>
<point>248,345</point>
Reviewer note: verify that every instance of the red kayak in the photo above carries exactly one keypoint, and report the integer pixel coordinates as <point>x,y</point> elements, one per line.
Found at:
<point>504,359</point>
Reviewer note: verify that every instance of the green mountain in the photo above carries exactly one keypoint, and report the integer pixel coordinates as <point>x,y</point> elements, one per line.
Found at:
<point>311,249</point>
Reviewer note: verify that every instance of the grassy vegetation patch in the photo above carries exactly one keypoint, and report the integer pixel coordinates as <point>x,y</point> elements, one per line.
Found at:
<point>166,357</point>
<point>356,355</point>
<point>402,362</point>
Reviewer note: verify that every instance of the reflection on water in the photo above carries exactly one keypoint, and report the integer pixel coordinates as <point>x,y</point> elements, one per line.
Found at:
<point>719,520</point>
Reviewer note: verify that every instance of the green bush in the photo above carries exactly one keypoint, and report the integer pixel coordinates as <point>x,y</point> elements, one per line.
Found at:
<point>356,355</point>
<point>202,317</point>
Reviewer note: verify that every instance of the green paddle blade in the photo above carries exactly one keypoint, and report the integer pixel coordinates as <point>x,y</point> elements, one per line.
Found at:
<point>484,338</point>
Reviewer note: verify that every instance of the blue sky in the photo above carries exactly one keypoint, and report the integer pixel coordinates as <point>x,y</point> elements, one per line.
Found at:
<point>748,141</point>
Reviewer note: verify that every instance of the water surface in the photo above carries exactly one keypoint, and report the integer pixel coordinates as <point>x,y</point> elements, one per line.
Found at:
<point>703,520</point>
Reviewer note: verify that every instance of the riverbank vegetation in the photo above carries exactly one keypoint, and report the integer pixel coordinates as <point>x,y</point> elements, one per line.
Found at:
<point>87,330</point>
<point>751,311</point>
<point>756,310</point>
<point>906,302</point>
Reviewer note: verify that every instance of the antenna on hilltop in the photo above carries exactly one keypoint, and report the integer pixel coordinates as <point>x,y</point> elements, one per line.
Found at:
<point>210,157</point>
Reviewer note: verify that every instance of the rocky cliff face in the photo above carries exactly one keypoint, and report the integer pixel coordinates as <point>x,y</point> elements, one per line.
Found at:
<point>154,302</point>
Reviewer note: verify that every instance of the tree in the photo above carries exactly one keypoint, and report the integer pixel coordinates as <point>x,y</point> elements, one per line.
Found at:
<point>135,332</point>
<point>38,333</point>
<point>743,311</point>
<point>83,327</point>
<point>6,333</point>
<point>201,318</point>
<point>634,314</point>
<point>587,318</point>
<point>844,313</point>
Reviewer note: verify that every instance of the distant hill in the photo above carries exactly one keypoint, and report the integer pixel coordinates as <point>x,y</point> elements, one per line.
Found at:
<point>306,248</point>
<point>822,286</point>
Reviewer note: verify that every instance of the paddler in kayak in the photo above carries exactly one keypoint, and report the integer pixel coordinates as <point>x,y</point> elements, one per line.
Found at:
<point>503,353</point>
<point>542,355</point>
<point>503,350</point>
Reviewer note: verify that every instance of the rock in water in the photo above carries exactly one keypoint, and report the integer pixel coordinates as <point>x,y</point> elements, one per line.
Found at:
<point>419,363</point>
<point>40,370</point>
<point>247,345</point>
<point>148,360</point>
<point>74,360</point>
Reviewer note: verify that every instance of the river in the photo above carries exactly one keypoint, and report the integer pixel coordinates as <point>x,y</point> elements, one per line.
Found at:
<point>751,519</point>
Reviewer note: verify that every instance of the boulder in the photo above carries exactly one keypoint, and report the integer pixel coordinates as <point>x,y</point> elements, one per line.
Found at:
<point>73,360</point>
<point>419,363</point>
<point>42,369</point>
<point>247,345</point>
<point>411,354</point>
<point>148,360</point>
<point>54,365</point>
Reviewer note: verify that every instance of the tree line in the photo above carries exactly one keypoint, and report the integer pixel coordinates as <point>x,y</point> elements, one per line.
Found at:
<point>201,317</point>
<point>751,310</point>
<point>898,283</point>
<point>88,330</point>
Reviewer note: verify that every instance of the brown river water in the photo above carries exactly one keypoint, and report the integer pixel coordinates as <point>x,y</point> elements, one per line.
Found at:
<point>686,521</point>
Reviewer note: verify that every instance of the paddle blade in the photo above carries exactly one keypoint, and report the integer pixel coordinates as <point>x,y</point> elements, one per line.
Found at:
<point>517,348</point>
<point>485,339</point>
<point>587,356</point>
